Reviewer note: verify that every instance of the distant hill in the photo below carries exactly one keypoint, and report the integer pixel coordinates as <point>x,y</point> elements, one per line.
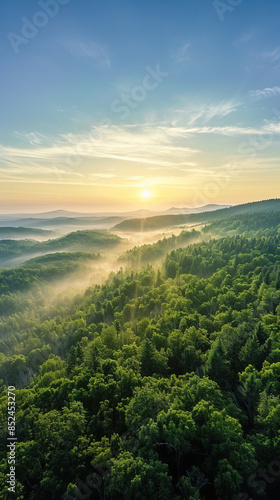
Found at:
<point>164,221</point>
<point>63,223</point>
<point>14,252</point>
<point>80,240</point>
<point>44,215</point>
<point>188,210</point>
<point>59,258</point>
<point>54,214</point>
<point>18,233</point>
<point>151,223</point>
<point>61,218</point>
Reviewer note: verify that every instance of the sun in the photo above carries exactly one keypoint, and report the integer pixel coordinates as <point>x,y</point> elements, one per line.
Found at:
<point>146,194</point>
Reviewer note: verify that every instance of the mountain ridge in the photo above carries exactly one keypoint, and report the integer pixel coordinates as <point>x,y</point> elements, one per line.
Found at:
<point>160,222</point>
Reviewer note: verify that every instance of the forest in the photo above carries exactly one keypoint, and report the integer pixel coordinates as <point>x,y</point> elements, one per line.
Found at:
<point>160,382</point>
<point>13,251</point>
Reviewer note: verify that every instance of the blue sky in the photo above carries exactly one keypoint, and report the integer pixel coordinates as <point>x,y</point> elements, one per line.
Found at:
<point>85,124</point>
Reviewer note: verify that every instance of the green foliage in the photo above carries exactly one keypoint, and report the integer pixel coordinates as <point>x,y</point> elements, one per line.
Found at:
<point>78,241</point>
<point>154,384</point>
<point>250,225</point>
<point>134,477</point>
<point>152,253</point>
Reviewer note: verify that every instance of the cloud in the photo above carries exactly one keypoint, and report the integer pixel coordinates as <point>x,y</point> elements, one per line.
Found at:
<point>89,50</point>
<point>143,144</point>
<point>245,38</point>
<point>229,130</point>
<point>206,112</point>
<point>267,92</point>
<point>272,127</point>
<point>163,147</point>
<point>33,138</point>
<point>103,176</point>
<point>273,55</point>
<point>146,145</point>
<point>15,169</point>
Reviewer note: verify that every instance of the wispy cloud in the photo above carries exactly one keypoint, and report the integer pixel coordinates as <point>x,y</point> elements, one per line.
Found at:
<point>267,92</point>
<point>244,38</point>
<point>272,55</point>
<point>204,113</point>
<point>272,127</point>
<point>89,50</point>
<point>33,138</point>
<point>103,175</point>
<point>145,145</point>
<point>228,130</point>
<point>19,168</point>
<point>166,148</point>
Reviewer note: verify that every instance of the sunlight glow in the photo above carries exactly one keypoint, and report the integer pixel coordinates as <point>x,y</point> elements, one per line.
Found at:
<point>146,194</point>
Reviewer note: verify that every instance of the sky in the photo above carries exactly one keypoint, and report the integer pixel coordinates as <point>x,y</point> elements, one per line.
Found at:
<point>133,104</point>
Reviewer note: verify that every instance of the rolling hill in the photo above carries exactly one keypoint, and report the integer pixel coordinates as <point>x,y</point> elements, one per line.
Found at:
<point>14,252</point>
<point>63,220</point>
<point>164,221</point>
<point>46,269</point>
<point>188,210</point>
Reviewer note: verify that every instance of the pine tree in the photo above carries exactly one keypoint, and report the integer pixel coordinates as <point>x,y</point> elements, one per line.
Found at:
<point>217,366</point>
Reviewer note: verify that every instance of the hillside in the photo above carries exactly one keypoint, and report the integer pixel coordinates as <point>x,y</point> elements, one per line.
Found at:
<point>160,222</point>
<point>78,241</point>
<point>249,224</point>
<point>144,254</point>
<point>58,259</point>
<point>42,270</point>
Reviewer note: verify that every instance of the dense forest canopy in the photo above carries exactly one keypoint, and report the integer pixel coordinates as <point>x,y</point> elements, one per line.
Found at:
<point>147,253</point>
<point>261,224</point>
<point>159,383</point>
